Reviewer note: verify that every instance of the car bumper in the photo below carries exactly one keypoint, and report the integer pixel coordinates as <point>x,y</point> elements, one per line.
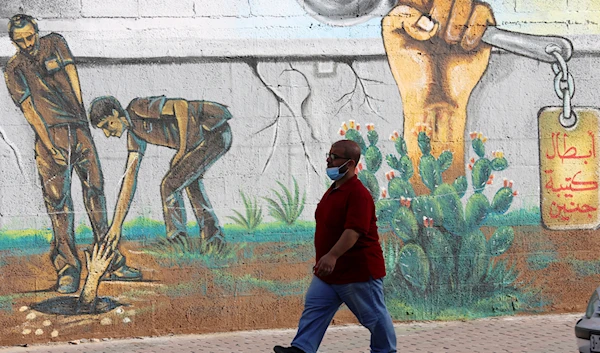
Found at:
<point>583,329</point>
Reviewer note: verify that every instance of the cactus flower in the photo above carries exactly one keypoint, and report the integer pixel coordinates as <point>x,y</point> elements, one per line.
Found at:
<point>383,193</point>
<point>498,154</point>
<point>342,132</point>
<point>427,222</point>
<point>470,166</point>
<point>473,135</point>
<point>370,127</point>
<point>405,201</point>
<point>421,127</point>
<point>508,183</point>
<point>357,126</point>
<point>472,160</point>
<point>390,175</point>
<point>344,126</point>
<point>352,124</point>
<point>393,138</point>
<point>515,193</point>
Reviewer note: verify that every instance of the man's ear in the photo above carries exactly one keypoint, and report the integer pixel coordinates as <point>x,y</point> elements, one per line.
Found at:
<point>101,124</point>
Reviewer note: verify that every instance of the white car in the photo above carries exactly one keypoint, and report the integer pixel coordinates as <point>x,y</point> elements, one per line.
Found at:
<point>587,329</point>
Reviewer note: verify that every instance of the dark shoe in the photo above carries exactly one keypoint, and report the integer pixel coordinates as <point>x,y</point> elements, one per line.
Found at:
<point>68,280</point>
<point>280,349</point>
<point>123,273</point>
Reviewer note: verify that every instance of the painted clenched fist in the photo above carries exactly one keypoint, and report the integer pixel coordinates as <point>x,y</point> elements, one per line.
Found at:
<point>436,56</point>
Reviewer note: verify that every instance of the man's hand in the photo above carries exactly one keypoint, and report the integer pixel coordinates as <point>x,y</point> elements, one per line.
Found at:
<point>436,62</point>
<point>58,156</point>
<point>98,261</point>
<point>112,238</point>
<point>325,265</point>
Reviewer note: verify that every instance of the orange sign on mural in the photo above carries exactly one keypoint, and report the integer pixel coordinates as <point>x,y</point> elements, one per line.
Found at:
<point>569,162</point>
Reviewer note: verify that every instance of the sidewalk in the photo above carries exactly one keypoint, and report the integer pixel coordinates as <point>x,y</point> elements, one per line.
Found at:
<point>544,333</point>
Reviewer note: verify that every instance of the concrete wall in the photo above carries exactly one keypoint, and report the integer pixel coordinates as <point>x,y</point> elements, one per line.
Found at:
<point>290,83</point>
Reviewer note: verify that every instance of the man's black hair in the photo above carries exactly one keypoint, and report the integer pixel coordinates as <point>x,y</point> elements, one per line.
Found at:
<point>20,21</point>
<point>102,107</point>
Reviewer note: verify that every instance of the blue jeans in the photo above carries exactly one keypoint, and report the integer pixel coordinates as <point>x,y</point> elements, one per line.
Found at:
<point>364,299</point>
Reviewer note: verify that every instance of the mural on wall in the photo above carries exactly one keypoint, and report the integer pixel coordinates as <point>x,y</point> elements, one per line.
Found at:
<point>42,80</point>
<point>458,240</point>
<point>198,130</point>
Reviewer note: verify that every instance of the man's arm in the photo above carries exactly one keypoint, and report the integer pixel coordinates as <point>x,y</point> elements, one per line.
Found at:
<point>74,79</point>
<point>35,120</point>
<point>67,57</point>
<point>326,264</point>
<point>179,108</point>
<point>125,196</point>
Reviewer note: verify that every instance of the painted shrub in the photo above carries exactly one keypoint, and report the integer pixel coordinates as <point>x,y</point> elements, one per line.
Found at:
<point>442,263</point>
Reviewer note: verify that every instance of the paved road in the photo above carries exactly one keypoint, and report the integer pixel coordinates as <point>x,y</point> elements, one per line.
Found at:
<point>545,333</point>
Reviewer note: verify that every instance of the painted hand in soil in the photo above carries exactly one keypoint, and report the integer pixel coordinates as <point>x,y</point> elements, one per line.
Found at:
<point>99,260</point>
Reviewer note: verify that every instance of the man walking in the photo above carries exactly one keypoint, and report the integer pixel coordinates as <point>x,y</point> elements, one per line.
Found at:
<point>349,262</point>
<point>197,130</point>
<point>43,82</point>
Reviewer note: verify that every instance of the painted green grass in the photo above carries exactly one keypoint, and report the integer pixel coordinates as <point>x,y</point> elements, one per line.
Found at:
<point>247,284</point>
<point>271,232</point>
<point>584,268</point>
<point>195,252</point>
<point>500,305</point>
<point>7,302</point>
<point>243,285</point>
<point>24,240</point>
<point>147,230</point>
<point>521,217</point>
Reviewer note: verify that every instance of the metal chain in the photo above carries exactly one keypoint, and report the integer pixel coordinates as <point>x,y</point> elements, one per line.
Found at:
<point>564,86</point>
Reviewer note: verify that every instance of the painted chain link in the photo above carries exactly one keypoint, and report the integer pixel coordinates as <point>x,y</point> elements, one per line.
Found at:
<point>564,86</point>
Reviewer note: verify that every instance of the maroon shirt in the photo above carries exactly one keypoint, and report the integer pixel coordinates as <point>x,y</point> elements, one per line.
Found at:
<point>349,207</point>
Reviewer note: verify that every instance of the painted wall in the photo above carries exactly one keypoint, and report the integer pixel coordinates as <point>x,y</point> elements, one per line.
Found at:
<point>293,85</point>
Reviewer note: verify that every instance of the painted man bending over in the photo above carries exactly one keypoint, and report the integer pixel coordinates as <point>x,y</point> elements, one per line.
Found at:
<point>350,266</point>
<point>43,82</point>
<point>197,130</point>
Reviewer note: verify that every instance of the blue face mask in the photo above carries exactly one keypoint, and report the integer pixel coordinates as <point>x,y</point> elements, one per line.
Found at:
<point>334,172</point>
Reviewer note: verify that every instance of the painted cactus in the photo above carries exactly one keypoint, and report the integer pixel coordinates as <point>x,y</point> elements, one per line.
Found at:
<point>445,255</point>
<point>371,155</point>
